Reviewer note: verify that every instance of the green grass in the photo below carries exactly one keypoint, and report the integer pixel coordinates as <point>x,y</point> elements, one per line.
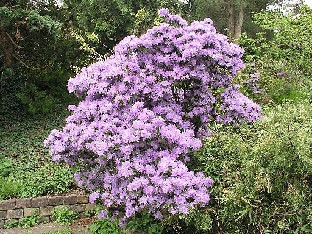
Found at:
<point>26,168</point>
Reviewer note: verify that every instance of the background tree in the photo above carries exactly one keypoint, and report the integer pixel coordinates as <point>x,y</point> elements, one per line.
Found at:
<point>43,44</point>
<point>233,15</point>
<point>35,55</point>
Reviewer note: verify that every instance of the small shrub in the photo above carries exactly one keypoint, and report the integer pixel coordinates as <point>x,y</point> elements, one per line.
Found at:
<point>64,215</point>
<point>47,179</point>
<point>90,213</point>
<point>8,188</point>
<point>29,221</point>
<point>6,165</point>
<point>11,224</point>
<point>104,226</point>
<point>143,223</point>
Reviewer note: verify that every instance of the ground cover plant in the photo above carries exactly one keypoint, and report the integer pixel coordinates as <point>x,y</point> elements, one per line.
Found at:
<point>143,110</point>
<point>26,170</point>
<point>64,215</point>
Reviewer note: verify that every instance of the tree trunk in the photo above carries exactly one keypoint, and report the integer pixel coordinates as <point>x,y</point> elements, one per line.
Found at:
<point>6,49</point>
<point>238,23</point>
<point>235,16</point>
<point>231,18</point>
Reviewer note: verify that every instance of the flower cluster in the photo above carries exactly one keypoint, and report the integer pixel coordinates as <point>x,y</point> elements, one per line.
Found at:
<point>144,109</point>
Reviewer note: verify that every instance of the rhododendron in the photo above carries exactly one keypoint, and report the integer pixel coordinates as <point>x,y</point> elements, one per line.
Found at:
<point>144,109</point>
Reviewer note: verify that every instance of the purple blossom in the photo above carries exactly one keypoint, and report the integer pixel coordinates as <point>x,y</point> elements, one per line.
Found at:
<point>281,73</point>
<point>163,12</point>
<point>93,197</point>
<point>103,214</point>
<point>144,109</point>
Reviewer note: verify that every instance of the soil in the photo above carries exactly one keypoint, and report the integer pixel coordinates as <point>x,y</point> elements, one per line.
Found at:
<point>78,227</point>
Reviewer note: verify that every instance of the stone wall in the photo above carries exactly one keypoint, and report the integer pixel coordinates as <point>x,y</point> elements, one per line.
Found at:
<point>15,209</point>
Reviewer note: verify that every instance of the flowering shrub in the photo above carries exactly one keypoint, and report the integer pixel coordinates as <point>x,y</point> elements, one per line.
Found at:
<point>144,109</point>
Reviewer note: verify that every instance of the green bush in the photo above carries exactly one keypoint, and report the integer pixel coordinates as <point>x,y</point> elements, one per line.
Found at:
<point>262,174</point>
<point>47,179</point>
<point>63,215</point>
<point>104,226</point>
<point>8,189</point>
<point>143,223</point>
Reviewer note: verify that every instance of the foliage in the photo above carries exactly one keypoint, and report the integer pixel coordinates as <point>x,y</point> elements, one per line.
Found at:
<point>29,221</point>
<point>8,189</point>
<point>111,21</point>
<point>198,221</point>
<point>143,110</point>
<point>38,54</point>
<point>26,170</point>
<point>90,212</point>
<point>218,12</point>
<point>63,215</point>
<point>282,63</point>
<point>145,224</point>
<point>35,183</point>
<point>104,226</point>
<point>43,43</point>
<point>140,223</point>
<point>262,174</point>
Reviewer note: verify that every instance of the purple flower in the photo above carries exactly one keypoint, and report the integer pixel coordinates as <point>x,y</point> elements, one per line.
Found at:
<point>144,109</point>
<point>93,197</point>
<point>281,73</point>
<point>103,214</point>
<point>163,12</point>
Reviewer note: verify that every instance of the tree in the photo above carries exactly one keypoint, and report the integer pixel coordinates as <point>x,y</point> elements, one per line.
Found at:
<point>34,55</point>
<point>112,20</point>
<point>41,44</point>
<point>233,15</point>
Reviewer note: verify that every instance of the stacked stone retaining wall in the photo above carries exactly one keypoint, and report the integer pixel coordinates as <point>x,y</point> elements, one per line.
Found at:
<point>15,209</point>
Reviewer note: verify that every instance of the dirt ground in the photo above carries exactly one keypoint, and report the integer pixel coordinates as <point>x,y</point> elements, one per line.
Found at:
<point>78,227</point>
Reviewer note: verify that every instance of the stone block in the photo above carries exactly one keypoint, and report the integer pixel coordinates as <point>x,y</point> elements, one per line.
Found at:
<point>90,206</point>
<point>46,211</point>
<point>7,204</point>
<point>82,199</point>
<point>3,214</point>
<point>1,224</point>
<point>15,214</point>
<point>78,208</point>
<point>39,202</point>
<point>23,203</point>
<point>31,211</point>
<point>56,201</point>
<point>44,219</point>
<point>70,200</point>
